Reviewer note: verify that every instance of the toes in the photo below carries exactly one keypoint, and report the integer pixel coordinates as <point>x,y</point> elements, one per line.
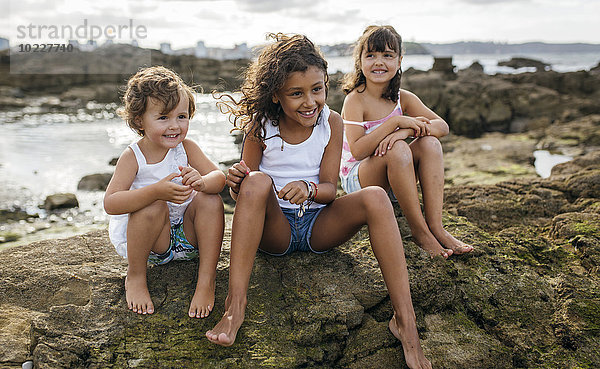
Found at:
<point>212,337</point>
<point>224,339</point>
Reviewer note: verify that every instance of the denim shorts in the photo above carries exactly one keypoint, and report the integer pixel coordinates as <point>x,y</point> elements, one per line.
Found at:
<point>301,228</point>
<point>352,184</point>
<point>179,248</point>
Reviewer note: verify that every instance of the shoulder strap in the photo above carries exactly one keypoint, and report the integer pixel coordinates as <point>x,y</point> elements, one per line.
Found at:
<point>139,156</point>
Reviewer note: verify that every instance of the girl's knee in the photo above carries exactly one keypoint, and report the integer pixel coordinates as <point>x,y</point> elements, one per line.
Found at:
<point>256,184</point>
<point>430,144</point>
<point>400,153</point>
<point>155,211</point>
<point>208,202</point>
<point>375,199</point>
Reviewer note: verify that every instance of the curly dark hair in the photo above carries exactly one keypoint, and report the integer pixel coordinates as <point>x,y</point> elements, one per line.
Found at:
<point>264,77</point>
<point>374,38</point>
<point>156,82</point>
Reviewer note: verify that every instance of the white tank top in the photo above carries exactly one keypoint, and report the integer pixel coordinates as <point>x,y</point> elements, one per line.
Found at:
<point>148,174</point>
<point>286,163</point>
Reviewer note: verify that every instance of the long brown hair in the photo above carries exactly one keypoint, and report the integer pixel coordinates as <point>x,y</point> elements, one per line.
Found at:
<point>267,75</point>
<point>374,39</point>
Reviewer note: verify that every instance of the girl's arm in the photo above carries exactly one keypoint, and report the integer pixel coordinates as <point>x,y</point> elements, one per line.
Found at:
<point>119,199</point>
<point>364,145</point>
<point>251,158</point>
<point>206,177</point>
<point>330,164</point>
<point>414,107</point>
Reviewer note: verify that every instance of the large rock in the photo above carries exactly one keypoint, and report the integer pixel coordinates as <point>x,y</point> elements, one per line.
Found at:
<point>528,296</point>
<point>94,182</point>
<point>61,201</point>
<point>519,62</point>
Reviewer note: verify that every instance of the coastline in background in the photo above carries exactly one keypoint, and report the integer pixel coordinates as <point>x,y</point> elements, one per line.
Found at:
<point>51,141</point>
<point>559,62</point>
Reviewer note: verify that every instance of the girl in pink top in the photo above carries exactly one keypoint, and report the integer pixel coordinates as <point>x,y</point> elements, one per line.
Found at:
<point>374,147</point>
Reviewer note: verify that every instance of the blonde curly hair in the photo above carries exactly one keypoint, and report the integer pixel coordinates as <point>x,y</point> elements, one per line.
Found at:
<point>156,82</point>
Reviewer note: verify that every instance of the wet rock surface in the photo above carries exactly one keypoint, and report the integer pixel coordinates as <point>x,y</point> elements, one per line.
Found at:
<point>60,201</point>
<point>528,296</point>
<point>94,182</point>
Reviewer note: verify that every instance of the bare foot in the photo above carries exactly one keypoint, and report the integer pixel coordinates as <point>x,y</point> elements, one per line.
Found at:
<point>203,300</point>
<point>430,244</point>
<point>225,331</point>
<point>137,295</point>
<point>452,243</point>
<point>409,337</point>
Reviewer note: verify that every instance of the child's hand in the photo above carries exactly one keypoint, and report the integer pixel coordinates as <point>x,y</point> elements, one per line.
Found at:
<point>420,125</point>
<point>171,191</point>
<point>295,192</point>
<point>236,174</point>
<point>191,177</point>
<point>388,142</point>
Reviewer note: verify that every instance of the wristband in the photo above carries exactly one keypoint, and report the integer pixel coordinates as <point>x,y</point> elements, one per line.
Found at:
<point>308,187</point>
<point>316,190</point>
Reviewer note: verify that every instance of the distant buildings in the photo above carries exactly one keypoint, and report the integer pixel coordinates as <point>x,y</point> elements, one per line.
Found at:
<point>240,51</point>
<point>165,48</point>
<point>91,45</point>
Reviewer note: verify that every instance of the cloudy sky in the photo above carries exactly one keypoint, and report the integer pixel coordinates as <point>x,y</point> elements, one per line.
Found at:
<point>227,22</point>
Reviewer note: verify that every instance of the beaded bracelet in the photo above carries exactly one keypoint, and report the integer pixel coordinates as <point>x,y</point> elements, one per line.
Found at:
<point>309,188</point>
<point>316,190</point>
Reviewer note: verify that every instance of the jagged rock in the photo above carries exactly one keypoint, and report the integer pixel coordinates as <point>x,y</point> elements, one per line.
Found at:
<point>104,92</point>
<point>15,214</point>
<point>489,159</point>
<point>475,67</point>
<point>443,64</point>
<point>528,296</point>
<point>518,62</point>
<point>94,182</point>
<point>572,136</point>
<point>61,201</point>
<point>590,160</point>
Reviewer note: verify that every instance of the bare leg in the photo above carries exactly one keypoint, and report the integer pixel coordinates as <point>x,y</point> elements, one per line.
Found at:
<point>371,206</point>
<point>258,220</point>
<point>396,168</point>
<point>148,230</point>
<point>203,224</point>
<point>429,164</point>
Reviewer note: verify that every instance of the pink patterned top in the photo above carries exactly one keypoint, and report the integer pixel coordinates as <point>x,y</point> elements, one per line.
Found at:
<point>348,161</point>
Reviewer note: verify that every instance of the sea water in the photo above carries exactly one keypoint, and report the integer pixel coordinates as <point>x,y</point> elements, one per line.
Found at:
<point>47,153</point>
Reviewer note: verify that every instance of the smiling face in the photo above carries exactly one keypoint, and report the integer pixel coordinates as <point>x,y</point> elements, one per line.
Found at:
<point>165,131</point>
<point>302,97</point>
<point>380,66</point>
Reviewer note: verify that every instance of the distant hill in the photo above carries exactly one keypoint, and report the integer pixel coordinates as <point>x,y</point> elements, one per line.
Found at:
<point>474,47</point>
<point>346,49</point>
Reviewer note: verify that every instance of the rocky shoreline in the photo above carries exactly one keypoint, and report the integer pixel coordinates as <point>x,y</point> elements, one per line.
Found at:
<point>528,296</point>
